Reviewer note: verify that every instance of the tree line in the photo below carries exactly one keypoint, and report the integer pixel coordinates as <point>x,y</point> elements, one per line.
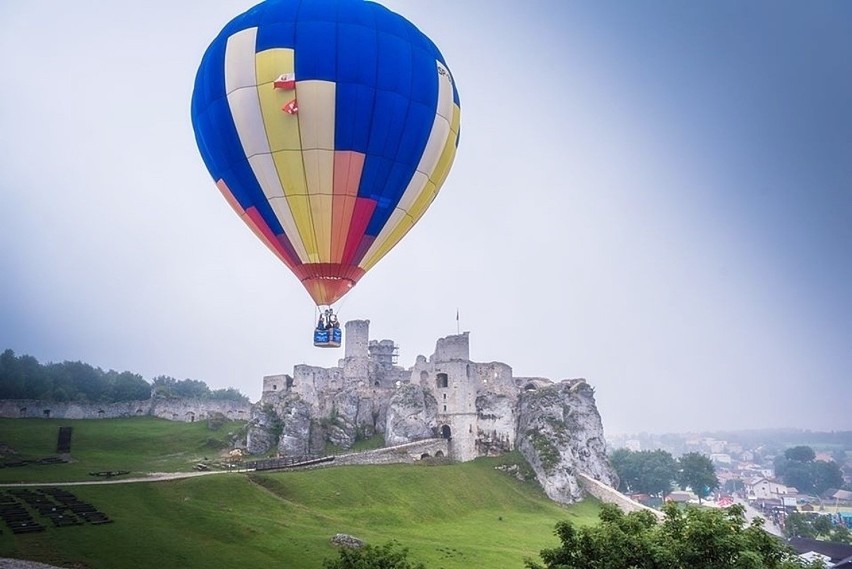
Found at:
<point>698,538</point>
<point>654,472</point>
<point>799,468</point>
<point>23,377</point>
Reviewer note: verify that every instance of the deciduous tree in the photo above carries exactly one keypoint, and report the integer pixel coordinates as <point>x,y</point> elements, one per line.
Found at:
<point>697,538</point>
<point>697,473</point>
<point>648,471</point>
<point>800,453</point>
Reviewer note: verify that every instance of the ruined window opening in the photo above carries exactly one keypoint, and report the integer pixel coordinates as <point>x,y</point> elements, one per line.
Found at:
<point>274,387</point>
<point>376,383</point>
<point>530,387</point>
<point>424,455</point>
<point>442,380</point>
<point>46,413</point>
<point>424,375</point>
<point>446,432</point>
<point>439,453</point>
<point>468,370</point>
<point>445,407</point>
<point>445,396</point>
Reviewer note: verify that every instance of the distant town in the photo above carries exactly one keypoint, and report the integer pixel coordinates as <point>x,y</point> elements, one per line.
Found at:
<point>799,481</point>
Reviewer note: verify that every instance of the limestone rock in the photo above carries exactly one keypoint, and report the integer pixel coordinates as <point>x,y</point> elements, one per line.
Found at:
<point>346,540</point>
<point>411,415</point>
<point>261,436</point>
<point>296,429</point>
<point>496,423</point>
<point>560,433</point>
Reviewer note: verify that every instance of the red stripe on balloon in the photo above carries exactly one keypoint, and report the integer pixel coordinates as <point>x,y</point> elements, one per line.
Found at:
<point>348,166</point>
<point>229,197</point>
<point>363,247</point>
<point>271,240</point>
<point>364,208</point>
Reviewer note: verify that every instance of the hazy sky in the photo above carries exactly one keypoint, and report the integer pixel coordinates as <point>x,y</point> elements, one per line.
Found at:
<point>656,196</point>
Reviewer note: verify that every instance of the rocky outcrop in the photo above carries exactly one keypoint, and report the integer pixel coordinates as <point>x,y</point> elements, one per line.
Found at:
<point>560,434</point>
<point>296,429</point>
<point>347,541</point>
<point>496,423</point>
<point>263,430</point>
<point>411,415</point>
<point>294,425</point>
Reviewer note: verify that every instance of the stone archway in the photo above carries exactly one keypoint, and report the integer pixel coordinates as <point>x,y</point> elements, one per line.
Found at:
<point>424,455</point>
<point>439,454</point>
<point>446,432</point>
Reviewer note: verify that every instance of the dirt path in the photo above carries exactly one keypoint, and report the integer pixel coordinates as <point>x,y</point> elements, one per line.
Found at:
<point>152,477</point>
<point>8,563</point>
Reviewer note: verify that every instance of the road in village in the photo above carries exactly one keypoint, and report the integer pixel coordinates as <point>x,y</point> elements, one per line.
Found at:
<point>752,513</point>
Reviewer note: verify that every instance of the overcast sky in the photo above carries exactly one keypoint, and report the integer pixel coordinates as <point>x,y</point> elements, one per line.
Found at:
<point>656,196</point>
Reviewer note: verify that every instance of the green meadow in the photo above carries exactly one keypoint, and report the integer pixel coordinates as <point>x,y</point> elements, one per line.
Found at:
<point>447,515</point>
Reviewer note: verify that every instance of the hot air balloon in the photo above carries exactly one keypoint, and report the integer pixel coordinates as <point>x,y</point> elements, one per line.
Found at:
<point>329,126</point>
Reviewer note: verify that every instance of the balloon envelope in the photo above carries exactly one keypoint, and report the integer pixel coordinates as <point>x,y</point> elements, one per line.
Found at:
<point>329,126</point>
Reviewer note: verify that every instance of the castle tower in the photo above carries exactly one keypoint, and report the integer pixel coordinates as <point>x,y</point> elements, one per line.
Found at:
<point>456,347</point>
<point>356,363</point>
<point>357,338</point>
<point>455,388</point>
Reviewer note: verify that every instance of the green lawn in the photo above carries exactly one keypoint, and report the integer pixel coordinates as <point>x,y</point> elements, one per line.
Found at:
<point>449,516</point>
<point>140,445</point>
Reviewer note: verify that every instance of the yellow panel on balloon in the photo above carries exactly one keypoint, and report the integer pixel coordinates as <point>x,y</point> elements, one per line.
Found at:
<point>317,101</point>
<point>321,218</point>
<point>418,208</point>
<point>282,128</point>
<point>454,126</point>
<point>291,172</point>
<point>281,207</point>
<point>300,206</point>
<point>398,232</point>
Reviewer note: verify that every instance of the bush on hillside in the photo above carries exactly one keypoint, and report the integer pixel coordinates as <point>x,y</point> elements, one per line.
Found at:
<point>387,556</point>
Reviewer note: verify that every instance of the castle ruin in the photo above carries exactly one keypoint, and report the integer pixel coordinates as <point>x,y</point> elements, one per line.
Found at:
<point>480,409</point>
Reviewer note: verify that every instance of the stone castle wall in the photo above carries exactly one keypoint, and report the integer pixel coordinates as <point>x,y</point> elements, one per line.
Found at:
<point>610,495</point>
<point>187,410</point>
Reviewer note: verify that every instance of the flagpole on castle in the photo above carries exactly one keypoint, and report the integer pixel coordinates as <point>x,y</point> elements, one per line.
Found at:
<point>457,322</point>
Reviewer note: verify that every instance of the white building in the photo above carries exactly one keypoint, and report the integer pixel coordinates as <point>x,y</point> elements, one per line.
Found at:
<point>765,489</point>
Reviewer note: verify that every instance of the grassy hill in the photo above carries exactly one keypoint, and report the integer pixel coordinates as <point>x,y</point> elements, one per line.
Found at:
<point>450,516</point>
